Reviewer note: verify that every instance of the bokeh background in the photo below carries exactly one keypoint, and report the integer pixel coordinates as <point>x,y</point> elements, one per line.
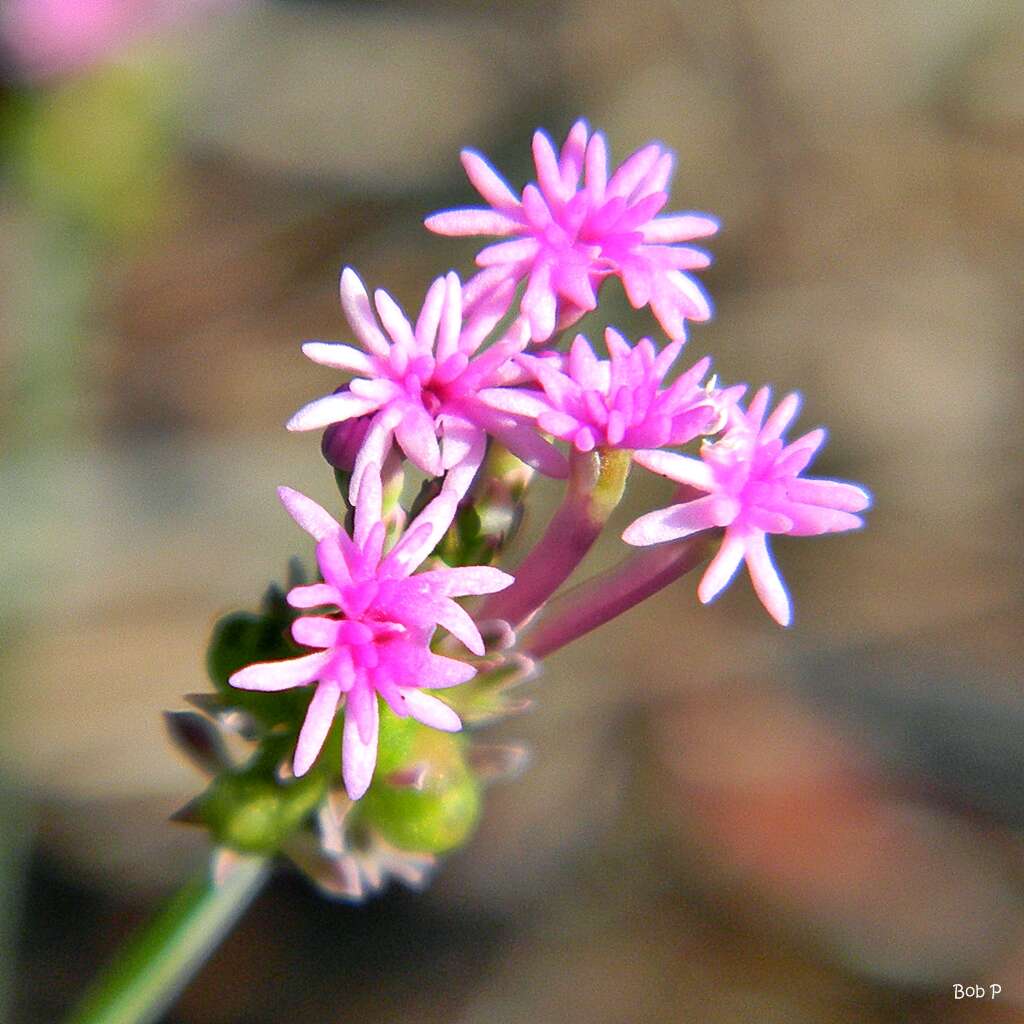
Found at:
<point>723,821</point>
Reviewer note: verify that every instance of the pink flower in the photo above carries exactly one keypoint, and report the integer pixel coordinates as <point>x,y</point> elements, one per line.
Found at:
<point>619,402</point>
<point>48,37</point>
<point>378,640</point>
<point>753,487</point>
<point>418,386</point>
<point>565,240</point>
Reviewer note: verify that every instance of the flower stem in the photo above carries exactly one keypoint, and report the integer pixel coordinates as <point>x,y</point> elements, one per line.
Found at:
<point>157,963</point>
<point>597,480</point>
<point>609,594</point>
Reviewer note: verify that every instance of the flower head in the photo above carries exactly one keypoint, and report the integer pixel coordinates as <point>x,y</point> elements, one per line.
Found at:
<point>565,239</point>
<point>418,386</point>
<point>619,402</point>
<point>377,640</point>
<point>753,487</point>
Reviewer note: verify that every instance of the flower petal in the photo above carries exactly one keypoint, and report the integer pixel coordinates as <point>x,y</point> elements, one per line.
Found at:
<point>280,675</point>
<point>487,181</point>
<point>338,356</point>
<point>356,305</point>
<point>679,227</point>
<point>313,518</point>
<point>673,522</point>
<point>766,579</point>
<point>431,711</point>
<point>722,567</point>
<point>331,409</point>
<point>472,221</point>
<point>359,740</point>
<point>318,722</point>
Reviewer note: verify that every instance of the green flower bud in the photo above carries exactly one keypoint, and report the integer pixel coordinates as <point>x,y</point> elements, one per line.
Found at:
<point>254,813</point>
<point>440,811</point>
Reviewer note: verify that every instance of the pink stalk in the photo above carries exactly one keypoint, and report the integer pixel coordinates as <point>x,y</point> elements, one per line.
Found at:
<point>609,594</point>
<point>596,483</point>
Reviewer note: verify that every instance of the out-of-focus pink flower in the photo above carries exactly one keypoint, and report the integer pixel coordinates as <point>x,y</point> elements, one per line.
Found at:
<point>619,402</point>
<point>378,640</point>
<point>49,37</point>
<point>753,487</point>
<point>566,239</point>
<point>419,386</point>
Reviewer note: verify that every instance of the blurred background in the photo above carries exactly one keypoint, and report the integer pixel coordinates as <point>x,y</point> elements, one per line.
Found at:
<point>723,822</point>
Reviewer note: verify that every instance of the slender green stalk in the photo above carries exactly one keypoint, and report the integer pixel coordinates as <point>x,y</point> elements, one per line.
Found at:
<point>157,963</point>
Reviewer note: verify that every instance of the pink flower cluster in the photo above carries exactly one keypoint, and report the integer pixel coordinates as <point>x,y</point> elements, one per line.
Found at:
<point>436,390</point>
<point>376,640</point>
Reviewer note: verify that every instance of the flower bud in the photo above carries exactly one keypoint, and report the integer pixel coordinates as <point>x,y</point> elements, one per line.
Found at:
<point>430,801</point>
<point>254,813</point>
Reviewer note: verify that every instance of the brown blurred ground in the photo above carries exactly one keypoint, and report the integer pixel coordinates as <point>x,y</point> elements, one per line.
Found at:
<point>723,821</point>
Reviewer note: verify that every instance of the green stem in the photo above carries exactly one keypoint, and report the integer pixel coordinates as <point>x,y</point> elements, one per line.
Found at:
<point>157,963</point>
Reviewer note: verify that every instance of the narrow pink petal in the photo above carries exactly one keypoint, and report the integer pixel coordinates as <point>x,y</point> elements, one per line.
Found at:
<point>313,518</point>
<point>766,579</point>
<point>422,535</point>
<point>375,447</point>
<point>520,401</point>
<point>331,409</point>
<point>359,740</point>
<point>485,315</point>
<point>415,434</point>
<point>679,227</point>
<point>466,580</point>
<point>513,251</point>
<point>315,631</point>
<point>431,711</point>
<point>460,475</point>
<point>570,163</point>
<point>281,675</point>
<point>682,468</point>
<point>356,305</point>
<point>451,319</point>
<point>835,494</point>
<point>331,559</point>
<point>313,595</point>
<point>487,181</point>
<point>697,306</point>
<point>636,279</point>
<point>757,408</point>
<point>460,624</point>
<point>430,316</point>
<point>369,503</point>
<point>672,523</point>
<point>339,357</point>
<point>562,425</point>
<point>813,520</point>
<point>632,171</point>
<point>539,303</point>
<point>438,673</point>
<point>596,162</point>
<point>548,176</point>
<point>522,440</point>
<point>679,257</point>
<point>394,320</point>
<point>658,176</point>
<point>472,221</point>
<point>319,719</point>
<point>784,414</point>
<point>722,568</point>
